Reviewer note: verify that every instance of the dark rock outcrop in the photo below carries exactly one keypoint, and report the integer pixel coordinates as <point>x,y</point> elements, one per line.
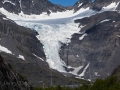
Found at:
<point>19,37</point>
<point>30,6</point>
<point>100,48</point>
<point>10,80</point>
<point>97,5</point>
<point>116,72</point>
<point>22,41</point>
<point>82,4</point>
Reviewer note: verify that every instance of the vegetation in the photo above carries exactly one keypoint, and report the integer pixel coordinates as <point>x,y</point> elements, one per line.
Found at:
<point>22,77</point>
<point>110,83</point>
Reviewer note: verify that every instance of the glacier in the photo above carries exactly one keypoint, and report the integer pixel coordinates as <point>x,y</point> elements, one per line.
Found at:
<point>52,36</point>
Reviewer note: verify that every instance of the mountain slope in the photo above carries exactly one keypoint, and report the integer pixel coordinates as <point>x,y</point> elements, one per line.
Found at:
<point>82,42</point>
<point>116,72</point>
<point>97,5</point>
<point>19,37</point>
<point>30,6</point>
<point>10,80</point>
<point>97,45</point>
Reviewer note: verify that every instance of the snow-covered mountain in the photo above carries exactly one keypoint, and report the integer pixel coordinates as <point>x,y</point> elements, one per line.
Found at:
<point>83,41</point>
<point>96,5</point>
<point>30,6</point>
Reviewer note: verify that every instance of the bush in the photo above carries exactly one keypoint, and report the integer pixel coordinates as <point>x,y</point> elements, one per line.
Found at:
<point>110,83</point>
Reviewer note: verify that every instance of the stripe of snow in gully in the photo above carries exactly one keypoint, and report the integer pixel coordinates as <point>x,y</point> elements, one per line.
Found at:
<point>21,57</point>
<point>8,2</point>
<point>51,36</point>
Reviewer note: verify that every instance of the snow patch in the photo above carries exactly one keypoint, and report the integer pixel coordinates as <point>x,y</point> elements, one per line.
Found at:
<point>20,4</point>
<point>77,56</point>
<point>115,25</point>
<point>76,70</point>
<point>8,2</point>
<point>105,20</point>
<point>112,6</point>
<point>4,49</point>
<point>82,37</point>
<point>113,21</point>
<point>5,18</point>
<point>96,74</point>
<point>84,12</point>
<point>118,35</point>
<point>38,57</point>
<point>80,4</point>
<point>83,73</point>
<point>21,57</point>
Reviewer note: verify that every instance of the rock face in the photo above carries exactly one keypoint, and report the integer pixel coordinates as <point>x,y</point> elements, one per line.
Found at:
<point>116,72</point>
<point>19,37</point>
<point>97,5</point>
<point>82,4</point>
<point>21,41</point>
<point>100,47</point>
<point>30,6</point>
<point>10,80</point>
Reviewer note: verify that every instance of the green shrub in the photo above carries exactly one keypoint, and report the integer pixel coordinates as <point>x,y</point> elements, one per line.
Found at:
<point>110,83</point>
<point>22,77</point>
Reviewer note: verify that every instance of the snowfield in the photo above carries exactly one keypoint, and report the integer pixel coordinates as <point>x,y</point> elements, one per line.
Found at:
<point>54,30</point>
<point>21,57</point>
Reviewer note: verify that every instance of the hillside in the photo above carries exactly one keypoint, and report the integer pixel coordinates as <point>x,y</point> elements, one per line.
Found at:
<point>10,80</point>
<point>44,41</point>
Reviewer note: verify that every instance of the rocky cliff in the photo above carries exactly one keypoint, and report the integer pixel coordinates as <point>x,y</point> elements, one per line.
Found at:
<point>97,5</point>
<point>10,80</point>
<point>26,50</point>
<point>30,6</point>
<point>23,39</point>
<point>97,45</point>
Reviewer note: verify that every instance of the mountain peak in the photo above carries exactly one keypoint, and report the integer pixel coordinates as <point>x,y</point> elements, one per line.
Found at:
<point>30,6</point>
<point>97,5</point>
<point>85,1</point>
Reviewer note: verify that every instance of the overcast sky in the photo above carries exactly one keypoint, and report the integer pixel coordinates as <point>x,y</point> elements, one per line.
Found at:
<point>64,2</point>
